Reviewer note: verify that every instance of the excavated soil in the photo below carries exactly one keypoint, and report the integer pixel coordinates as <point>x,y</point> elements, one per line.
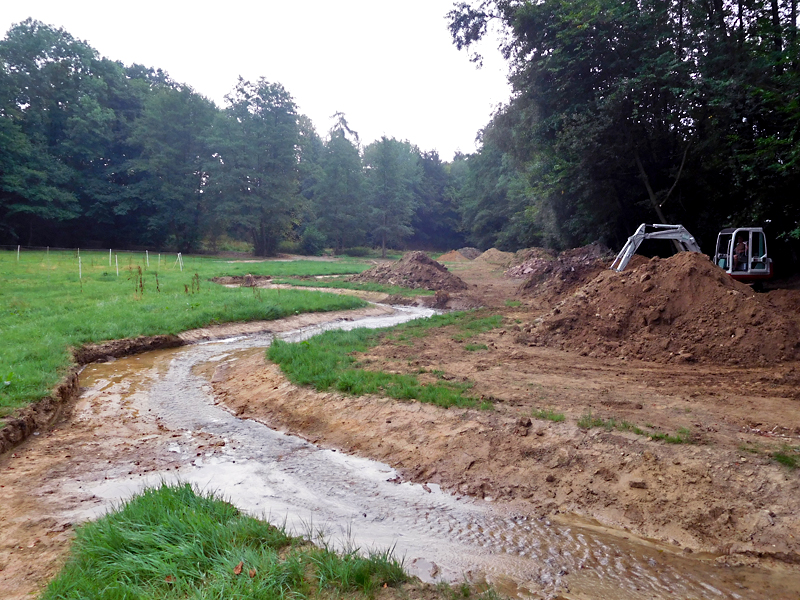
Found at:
<point>497,257</point>
<point>415,270</point>
<point>682,308</point>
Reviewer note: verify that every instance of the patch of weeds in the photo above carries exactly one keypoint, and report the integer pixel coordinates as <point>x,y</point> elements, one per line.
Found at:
<point>588,421</point>
<point>326,362</point>
<point>472,327</point>
<point>486,405</point>
<point>475,347</point>
<point>787,456</point>
<point>548,414</point>
<point>513,303</point>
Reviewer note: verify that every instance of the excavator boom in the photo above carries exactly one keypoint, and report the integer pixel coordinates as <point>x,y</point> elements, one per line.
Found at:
<point>657,231</point>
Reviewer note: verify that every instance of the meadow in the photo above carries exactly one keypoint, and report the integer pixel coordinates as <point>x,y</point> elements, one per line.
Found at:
<point>53,301</point>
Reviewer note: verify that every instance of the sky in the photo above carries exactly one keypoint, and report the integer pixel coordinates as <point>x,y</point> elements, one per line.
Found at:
<point>390,67</point>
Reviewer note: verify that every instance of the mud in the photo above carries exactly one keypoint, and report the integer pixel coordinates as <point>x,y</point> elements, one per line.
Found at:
<point>415,270</point>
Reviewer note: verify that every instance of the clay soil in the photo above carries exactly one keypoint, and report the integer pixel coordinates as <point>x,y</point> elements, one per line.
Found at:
<point>695,356</point>
<point>622,348</point>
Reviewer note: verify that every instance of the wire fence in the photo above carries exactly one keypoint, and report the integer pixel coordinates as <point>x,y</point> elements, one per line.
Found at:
<point>117,258</point>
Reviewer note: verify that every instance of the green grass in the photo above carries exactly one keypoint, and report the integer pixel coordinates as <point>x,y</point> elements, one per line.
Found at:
<point>174,542</point>
<point>326,362</point>
<point>392,290</point>
<point>788,456</point>
<point>589,421</point>
<point>513,303</point>
<point>548,414</point>
<point>475,347</point>
<point>45,308</point>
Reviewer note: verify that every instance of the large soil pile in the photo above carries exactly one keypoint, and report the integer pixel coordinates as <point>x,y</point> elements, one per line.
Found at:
<point>682,308</point>
<point>496,257</point>
<point>414,270</point>
<point>553,276</point>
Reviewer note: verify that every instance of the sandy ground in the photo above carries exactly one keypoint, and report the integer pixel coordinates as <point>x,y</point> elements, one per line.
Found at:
<point>721,493</point>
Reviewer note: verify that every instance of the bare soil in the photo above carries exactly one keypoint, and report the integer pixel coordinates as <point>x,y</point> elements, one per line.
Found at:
<point>665,348</point>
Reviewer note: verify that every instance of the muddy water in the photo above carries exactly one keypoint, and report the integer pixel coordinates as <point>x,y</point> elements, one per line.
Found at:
<point>352,501</point>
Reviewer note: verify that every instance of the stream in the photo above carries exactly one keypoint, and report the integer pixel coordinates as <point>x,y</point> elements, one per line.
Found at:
<point>352,502</point>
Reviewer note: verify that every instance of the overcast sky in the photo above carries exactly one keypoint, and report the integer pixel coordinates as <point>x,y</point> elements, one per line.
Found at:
<point>389,66</point>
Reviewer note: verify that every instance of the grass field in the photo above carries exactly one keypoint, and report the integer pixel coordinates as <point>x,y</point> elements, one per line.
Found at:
<point>51,301</point>
<point>174,542</point>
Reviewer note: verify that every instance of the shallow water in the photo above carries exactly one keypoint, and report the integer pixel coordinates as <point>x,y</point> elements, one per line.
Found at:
<point>349,500</point>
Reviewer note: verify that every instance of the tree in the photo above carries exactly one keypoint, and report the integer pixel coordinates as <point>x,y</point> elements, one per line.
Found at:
<point>633,111</point>
<point>254,173</point>
<point>393,172</point>
<point>171,135</point>
<point>436,220</point>
<point>339,194</point>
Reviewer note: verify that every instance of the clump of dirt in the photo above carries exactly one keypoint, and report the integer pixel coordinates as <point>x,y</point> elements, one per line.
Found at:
<point>453,256</point>
<point>118,348</point>
<point>553,277</point>
<point>497,257</point>
<point>415,270</point>
<point>681,308</point>
<point>520,256</point>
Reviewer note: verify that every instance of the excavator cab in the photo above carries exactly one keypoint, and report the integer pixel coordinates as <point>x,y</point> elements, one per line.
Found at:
<point>742,253</point>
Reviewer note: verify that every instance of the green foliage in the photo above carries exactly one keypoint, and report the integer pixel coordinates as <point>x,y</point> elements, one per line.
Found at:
<point>628,112</point>
<point>326,362</point>
<point>45,309</point>
<point>787,456</point>
<point>393,172</point>
<point>312,242</point>
<point>174,542</point>
<point>548,414</point>
<point>475,347</point>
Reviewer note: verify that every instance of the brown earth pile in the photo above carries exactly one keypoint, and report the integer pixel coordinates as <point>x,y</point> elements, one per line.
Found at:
<point>453,256</point>
<point>552,277</point>
<point>469,252</point>
<point>520,256</point>
<point>497,257</point>
<point>415,270</point>
<point>682,308</point>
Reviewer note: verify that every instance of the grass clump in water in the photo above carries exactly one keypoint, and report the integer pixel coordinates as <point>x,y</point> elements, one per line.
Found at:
<point>326,362</point>
<point>173,542</point>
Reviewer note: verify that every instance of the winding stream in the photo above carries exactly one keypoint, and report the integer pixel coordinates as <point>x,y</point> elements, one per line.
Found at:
<point>350,500</point>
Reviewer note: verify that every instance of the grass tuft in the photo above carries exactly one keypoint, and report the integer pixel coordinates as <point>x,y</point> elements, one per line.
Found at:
<point>548,414</point>
<point>174,542</point>
<point>588,421</point>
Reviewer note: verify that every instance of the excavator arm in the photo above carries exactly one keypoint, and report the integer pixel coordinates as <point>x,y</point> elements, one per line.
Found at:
<point>657,231</point>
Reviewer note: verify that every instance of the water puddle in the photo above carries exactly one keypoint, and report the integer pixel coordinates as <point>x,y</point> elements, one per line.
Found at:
<point>351,500</point>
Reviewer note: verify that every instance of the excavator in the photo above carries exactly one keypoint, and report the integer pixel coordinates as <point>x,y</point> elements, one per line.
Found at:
<point>740,251</point>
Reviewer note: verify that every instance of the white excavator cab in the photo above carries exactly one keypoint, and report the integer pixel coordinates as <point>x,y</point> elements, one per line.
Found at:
<point>742,253</point>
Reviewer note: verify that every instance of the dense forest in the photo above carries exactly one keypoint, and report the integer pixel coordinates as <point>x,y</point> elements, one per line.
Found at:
<point>677,111</point>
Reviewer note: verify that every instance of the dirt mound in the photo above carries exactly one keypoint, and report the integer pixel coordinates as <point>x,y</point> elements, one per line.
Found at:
<point>469,252</point>
<point>453,256</point>
<point>554,276</point>
<point>520,256</point>
<point>682,308</point>
<point>497,257</point>
<point>414,270</point>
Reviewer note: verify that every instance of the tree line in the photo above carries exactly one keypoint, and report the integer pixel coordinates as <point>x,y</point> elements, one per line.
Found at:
<point>622,112</point>
<point>631,111</point>
<point>96,153</point>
